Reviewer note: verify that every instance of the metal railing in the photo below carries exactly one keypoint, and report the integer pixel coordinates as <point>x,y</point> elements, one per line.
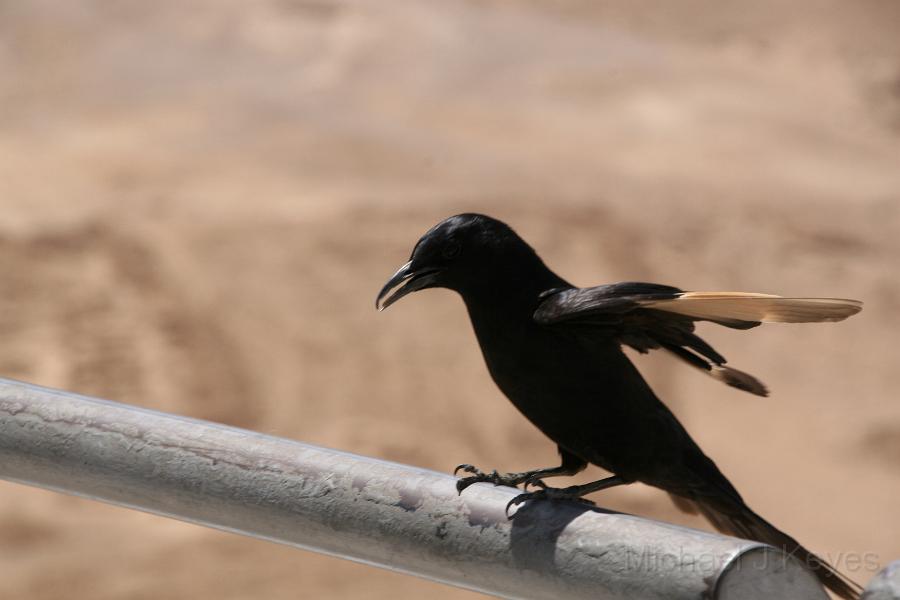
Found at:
<point>385,514</point>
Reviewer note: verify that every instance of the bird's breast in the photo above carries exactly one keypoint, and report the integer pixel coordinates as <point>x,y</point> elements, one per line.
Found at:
<point>548,373</point>
<point>583,394</point>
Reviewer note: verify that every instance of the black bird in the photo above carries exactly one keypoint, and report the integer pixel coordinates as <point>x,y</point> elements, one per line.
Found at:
<point>555,352</point>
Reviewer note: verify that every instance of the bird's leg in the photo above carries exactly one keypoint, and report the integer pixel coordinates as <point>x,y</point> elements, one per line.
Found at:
<point>571,465</point>
<point>574,492</point>
<point>510,479</point>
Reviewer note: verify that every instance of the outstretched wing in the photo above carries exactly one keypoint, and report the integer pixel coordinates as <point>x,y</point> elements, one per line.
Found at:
<point>647,316</point>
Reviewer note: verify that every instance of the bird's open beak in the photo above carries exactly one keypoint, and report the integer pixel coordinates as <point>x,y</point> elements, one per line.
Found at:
<point>412,281</point>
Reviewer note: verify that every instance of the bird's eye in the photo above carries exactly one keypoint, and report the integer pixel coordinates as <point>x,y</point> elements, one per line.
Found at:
<point>451,250</point>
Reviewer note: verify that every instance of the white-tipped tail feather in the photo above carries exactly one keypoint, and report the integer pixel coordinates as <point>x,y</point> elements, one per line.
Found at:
<point>764,308</point>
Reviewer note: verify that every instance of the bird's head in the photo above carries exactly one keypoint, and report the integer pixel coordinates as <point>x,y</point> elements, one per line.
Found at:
<point>459,253</point>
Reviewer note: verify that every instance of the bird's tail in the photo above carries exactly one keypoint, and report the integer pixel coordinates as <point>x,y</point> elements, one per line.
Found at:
<point>735,518</point>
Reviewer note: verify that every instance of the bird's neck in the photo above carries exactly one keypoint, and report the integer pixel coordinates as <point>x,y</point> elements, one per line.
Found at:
<point>511,293</point>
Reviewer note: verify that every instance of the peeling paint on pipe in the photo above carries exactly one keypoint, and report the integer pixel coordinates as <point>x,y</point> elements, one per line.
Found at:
<point>384,514</point>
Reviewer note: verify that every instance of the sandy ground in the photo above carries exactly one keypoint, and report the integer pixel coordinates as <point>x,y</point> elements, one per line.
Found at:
<point>200,200</point>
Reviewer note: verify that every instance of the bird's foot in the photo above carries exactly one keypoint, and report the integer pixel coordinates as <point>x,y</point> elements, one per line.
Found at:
<point>478,476</point>
<point>574,492</point>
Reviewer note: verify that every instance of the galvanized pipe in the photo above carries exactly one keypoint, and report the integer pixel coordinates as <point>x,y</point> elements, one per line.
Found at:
<point>371,511</point>
<point>885,585</point>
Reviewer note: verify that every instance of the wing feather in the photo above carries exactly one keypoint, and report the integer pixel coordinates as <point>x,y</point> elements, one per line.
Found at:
<point>766,308</point>
<point>648,316</point>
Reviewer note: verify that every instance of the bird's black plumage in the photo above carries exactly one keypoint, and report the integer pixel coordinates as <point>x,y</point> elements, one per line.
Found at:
<point>555,352</point>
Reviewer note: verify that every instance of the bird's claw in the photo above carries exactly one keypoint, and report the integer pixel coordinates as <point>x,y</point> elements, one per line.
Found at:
<point>467,468</point>
<point>546,493</point>
<point>478,476</point>
<point>465,482</point>
<point>517,500</point>
<point>536,482</point>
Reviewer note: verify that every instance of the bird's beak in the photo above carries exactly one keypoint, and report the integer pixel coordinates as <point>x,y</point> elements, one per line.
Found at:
<point>412,281</point>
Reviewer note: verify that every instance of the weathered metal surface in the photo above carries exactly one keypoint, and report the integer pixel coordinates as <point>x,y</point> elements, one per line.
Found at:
<point>381,513</point>
<point>885,585</point>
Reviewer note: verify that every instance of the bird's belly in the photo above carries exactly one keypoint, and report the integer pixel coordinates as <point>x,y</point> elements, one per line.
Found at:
<point>588,403</point>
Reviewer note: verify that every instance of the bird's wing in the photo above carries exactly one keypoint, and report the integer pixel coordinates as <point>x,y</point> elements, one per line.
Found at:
<point>647,316</point>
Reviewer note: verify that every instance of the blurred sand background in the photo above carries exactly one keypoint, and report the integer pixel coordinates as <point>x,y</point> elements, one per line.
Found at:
<point>200,200</point>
